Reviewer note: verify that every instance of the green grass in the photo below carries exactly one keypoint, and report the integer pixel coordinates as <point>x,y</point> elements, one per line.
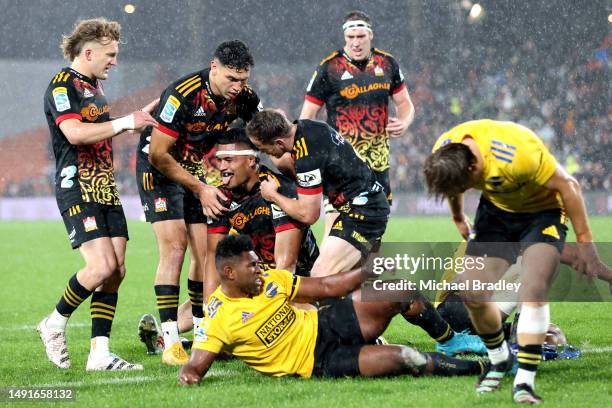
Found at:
<point>37,261</point>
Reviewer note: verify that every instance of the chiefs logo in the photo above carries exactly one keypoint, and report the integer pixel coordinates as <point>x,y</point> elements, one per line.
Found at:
<point>92,112</point>
<point>239,220</point>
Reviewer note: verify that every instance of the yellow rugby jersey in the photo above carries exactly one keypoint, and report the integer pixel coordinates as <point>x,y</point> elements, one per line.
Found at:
<point>516,164</point>
<point>266,331</point>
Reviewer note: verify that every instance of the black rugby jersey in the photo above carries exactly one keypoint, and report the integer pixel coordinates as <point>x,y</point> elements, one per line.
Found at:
<point>82,173</point>
<point>189,111</point>
<point>250,214</point>
<point>356,95</point>
<point>326,163</point>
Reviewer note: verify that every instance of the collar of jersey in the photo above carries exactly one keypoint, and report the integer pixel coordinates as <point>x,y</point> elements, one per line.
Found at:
<point>359,64</point>
<point>82,77</point>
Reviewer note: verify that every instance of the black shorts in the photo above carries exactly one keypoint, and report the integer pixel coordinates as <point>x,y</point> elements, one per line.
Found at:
<point>162,199</point>
<point>518,231</point>
<point>383,178</point>
<point>87,221</point>
<point>339,339</point>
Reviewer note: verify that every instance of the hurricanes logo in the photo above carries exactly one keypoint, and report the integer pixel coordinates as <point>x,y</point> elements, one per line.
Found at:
<point>91,112</point>
<point>353,91</point>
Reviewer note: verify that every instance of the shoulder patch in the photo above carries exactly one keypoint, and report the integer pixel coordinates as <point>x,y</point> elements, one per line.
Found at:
<point>385,53</point>
<point>329,57</point>
<point>189,85</point>
<point>60,98</point>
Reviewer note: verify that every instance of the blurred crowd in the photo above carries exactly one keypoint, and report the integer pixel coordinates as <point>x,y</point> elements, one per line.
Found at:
<point>567,104</point>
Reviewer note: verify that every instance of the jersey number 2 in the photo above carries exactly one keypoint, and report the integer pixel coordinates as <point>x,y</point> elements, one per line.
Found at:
<point>67,174</point>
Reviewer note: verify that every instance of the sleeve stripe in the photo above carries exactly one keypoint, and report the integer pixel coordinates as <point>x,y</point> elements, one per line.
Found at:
<point>310,191</point>
<point>399,88</point>
<point>294,287</point>
<point>63,117</point>
<point>286,227</point>
<point>218,230</point>
<point>168,131</point>
<point>314,100</point>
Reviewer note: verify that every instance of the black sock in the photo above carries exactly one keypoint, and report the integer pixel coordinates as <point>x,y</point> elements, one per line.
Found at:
<point>430,320</point>
<point>529,356</point>
<point>167,302</point>
<point>493,340</point>
<point>74,295</point>
<point>447,366</point>
<point>102,309</point>
<point>195,290</point>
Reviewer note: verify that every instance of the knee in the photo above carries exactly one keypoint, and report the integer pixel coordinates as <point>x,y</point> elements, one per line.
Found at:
<point>174,250</point>
<point>474,304</point>
<point>103,268</point>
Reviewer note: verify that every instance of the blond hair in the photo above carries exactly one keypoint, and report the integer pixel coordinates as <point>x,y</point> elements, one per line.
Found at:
<point>96,29</point>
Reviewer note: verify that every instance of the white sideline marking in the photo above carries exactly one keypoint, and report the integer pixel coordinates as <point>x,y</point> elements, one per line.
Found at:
<point>607,349</point>
<point>33,326</point>
<point>127,380</point>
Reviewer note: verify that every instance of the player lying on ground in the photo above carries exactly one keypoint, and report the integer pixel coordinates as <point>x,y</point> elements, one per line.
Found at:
<point>251,316</point>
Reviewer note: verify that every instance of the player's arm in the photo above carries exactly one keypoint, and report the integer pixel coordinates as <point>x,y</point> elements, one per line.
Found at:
<point>312,289</point>
<point>198,365</point>
<point>306,209</point>
<point>571,195</point>
<point>211,280</point>
<point>160,157</point>
<point>405,113</point>
<point>80,133</point>
<point>455,205</point>
<point>309,110</point>
<point>287,247</point>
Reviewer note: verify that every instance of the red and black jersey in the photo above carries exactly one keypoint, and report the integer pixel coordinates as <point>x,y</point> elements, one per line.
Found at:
<point>190,112</point>
<point>82,173</point>
<point>356,95</point>
<point>326,163</point>
<point>250,214</point>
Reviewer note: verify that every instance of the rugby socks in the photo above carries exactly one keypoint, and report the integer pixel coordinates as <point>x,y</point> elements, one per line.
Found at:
<point>73,296</point>
<point>167,305</point>
<point>195,290</point>
<point>529,357</point>
<point>448,366</point>
<point>102,309</point>
<point>497,347</point>
<point>431,321</point>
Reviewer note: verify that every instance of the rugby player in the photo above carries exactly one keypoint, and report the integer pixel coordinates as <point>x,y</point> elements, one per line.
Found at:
<point>193,111</point>
<point>526,196</point>
<point>355,84</point>
<point>251,316</point>
<point>77,113</point>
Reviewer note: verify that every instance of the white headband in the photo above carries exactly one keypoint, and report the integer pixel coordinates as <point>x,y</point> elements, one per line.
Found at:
<point>249,152</point>
<point>356,24</point>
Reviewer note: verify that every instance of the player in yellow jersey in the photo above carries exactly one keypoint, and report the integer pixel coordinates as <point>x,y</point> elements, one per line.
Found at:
<point>525,197</point>
<point>251,315</point>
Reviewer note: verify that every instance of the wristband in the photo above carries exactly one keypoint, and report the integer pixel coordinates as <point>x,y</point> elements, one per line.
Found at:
<point>124,123</point>
<point>584,237</point>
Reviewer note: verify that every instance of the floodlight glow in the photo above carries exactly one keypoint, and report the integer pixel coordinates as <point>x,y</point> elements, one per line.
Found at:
<point>129,8</point>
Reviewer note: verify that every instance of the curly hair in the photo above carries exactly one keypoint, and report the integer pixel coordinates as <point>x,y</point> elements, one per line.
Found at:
<point>235,55</point>
<point>447,171</point>
<point>232,246</point>
<point>96,29</point>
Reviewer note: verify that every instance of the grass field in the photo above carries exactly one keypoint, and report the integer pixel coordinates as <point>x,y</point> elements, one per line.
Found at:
<point>37,261</point>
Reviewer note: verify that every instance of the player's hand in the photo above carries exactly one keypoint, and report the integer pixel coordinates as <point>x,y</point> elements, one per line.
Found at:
<point>396,127</point>
<point>268,189</point>
<point>189,375</point>
<point>143,119</point>
<point>589,263</point>
<point>210,198</point>
<point>151,106</point>
<point>463,225</point>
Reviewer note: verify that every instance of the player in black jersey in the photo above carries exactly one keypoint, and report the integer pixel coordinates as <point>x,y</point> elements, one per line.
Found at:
<point>81,131</point>
<point>279,241</point>
<point>325,163</point>
<point>193,112</point>
<point>355,85</point>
